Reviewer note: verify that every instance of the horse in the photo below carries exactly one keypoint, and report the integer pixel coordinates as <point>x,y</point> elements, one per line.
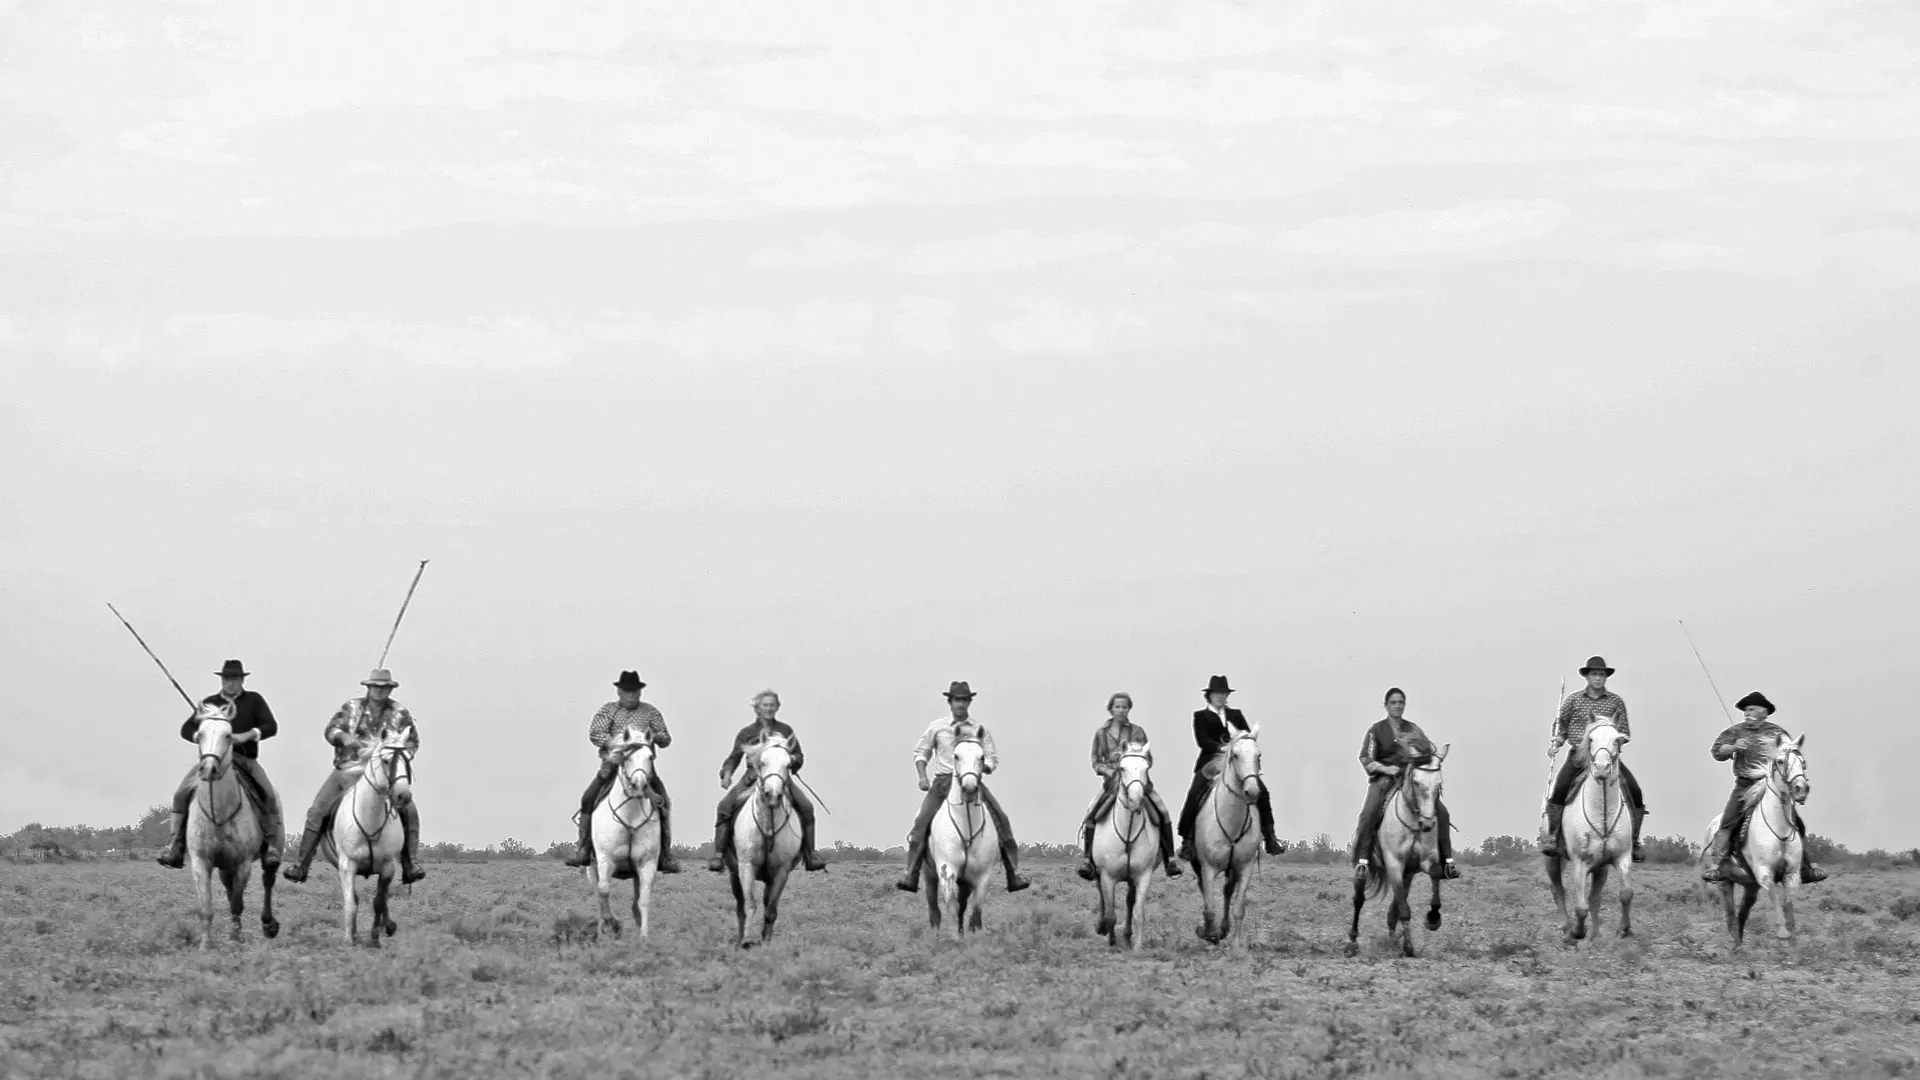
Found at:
<point>367,835</point>
<point>1226,839</point>
<point>1598,837</point>
<point>626,830</point>
<point>1772,847</point>
<point>223,829</point>
<point>766,840</point>
<point>962,845</point>
<point>1126,848</point>
<point>1407,843</point>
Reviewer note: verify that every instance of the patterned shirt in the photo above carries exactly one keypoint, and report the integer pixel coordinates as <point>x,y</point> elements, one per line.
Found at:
<point>611,720</point>
<point>1383,746</point>
<point>1582,710</point>
<point>1750,743</point>
<point>936,746</point>
<point>360,721</point>
<point>1108,750</point>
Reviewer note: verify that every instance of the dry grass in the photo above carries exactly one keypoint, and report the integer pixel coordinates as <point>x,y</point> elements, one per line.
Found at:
<point>497,972</point>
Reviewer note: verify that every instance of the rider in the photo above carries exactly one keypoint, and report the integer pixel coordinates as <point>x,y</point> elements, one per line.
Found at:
<point>252,721</point>
<point>1391,747</point>
<point>1110,742</point>
<point>936,746</point>
<point>1750,743</point>
<point>1589,707</point>
<point>360,723</point>
<point>766,704</point>
<point>1213,729</point>
<point>613,718</point>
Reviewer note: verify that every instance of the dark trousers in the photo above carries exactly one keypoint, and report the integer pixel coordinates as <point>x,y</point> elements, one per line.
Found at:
<point>1197,794</point>
<point>1563,789</point>
<point>266,802</point>
<point>597,787</point>
<point>1374,811</point>
<point>739,793</point>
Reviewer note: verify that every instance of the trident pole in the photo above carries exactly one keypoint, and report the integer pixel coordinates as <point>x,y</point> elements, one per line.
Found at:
<point>403,613</point>
<point>1553,760</point>
<point>149,652</point>
<point>1703,668</point>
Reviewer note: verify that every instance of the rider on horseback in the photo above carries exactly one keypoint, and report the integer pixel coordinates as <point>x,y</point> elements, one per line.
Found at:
<point>359,723</point>
<point>1392,746</point>
<point>766,704</point>
<point>1110,743</point>
<point>252,721</point>
<point>1586,708</point>
<point>613,718</point>
<point>1750,743</point>
<point>1213,729</point>
<point>936,746</point>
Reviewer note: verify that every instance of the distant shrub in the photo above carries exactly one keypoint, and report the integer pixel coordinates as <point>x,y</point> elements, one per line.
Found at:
<point>1906,907</point>
<point>514,849</point>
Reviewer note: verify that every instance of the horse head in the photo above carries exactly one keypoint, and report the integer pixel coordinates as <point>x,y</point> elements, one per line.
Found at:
<point>1603,751</point>
<point>1790,764</point>
<point>1135,761</point>
<point>632,750</point>
<point>388,767</point>
<point>1423,783</point>
<point>214,737</point>
<point>772,763</point>
<point>1243,762</point>
<point>969,765</point>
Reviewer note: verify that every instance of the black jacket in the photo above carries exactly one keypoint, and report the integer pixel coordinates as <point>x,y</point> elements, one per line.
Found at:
<point>250,712</point>
<point>1212,735</point>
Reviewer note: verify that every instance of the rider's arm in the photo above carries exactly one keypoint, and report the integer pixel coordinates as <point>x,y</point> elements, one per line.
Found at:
<point>923,750</point>
<point>1564,722</point>
<point>264,725</point>
<point>1727,744</point>
<point>601,730</point>
<point>662,738</point>
<point>192,725</point>
<point>405,720</point>
<point>1099,756</point>
<point>796,757</point>
<point>733,759</point>
<point>992,759</point>
<point>338,729</point>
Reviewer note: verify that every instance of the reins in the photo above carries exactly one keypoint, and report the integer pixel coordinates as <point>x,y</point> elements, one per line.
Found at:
<point>384,757</point>
<point>1220,784</point>
<point>223,768</point>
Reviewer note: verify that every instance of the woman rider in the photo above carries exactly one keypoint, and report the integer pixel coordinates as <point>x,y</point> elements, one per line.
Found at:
<point>1110,742</point>
<point>1390,747</point>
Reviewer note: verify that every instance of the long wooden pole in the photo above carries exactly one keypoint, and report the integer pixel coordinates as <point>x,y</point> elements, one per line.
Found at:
<point>402,615</point>
<point>1553,760</point>
<point>1717,696</point>
<point>149,652</point>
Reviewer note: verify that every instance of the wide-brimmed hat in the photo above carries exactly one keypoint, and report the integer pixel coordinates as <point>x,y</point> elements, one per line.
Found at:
<point>1596,663</point>
<point>1755,698</point>
<point>1218,685</point>
<point>628,680</point>
<point>959,690</point>
<point>380,677</point>
<point>233,669</point>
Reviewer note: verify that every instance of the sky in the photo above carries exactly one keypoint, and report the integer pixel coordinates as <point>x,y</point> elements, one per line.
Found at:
<point>852,349</point>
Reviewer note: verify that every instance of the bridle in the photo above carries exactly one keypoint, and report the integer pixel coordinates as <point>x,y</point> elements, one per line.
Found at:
<point>1136,790</point>
<point>1231,766</point>
<point>1787,780</point>
<point>957,795</point>
<point>222,767</point>
<point>630,791</point>
<point>383,767</point>
<point>1408,794</point>
<point>1606,773</point>
<point>774,802</point>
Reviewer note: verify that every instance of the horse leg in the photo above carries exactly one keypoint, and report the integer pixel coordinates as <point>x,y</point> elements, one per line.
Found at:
<point>1359,902</point>
<point>1103,887</point>
<point>1727,904</point>
<point>349,903</point>
<point>1582,877</point>
<point>1137,911</point>
<point>739,901</point>
<point>235,880</point>
<point>950,898</point>
<point>1556,871</point>
<point>1748,894</point>
<point>1624,867</point>
<point>1209,881</point>
<point>1229,903</point>
<point>770,911</point>
<point>975,899</point>
<point>1784,895</point>
<point>1598,881</point>
<point>643,894</point>
<point>203,892</point>
<point>603,891</point>
<point>379,922</point>
<point>1402,878</point>
<point>749,922</point>
<point>269,925</point>
<point>1433,909</point>
<point>930,888</point>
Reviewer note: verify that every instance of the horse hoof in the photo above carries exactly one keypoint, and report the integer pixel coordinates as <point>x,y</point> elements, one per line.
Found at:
<point>271,929</point>
<point>1433,920</point>
<point>1626,931</point>
<point>392,928</point>
<point>1353,948</point>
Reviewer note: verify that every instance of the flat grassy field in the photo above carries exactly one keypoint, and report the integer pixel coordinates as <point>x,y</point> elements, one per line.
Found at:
<point>495,972</point>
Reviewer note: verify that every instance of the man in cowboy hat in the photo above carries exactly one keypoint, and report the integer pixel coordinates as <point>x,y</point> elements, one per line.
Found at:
<point>359,723</point>
<point>1591,706</point>
<point>627,711</point>
<point>1214,728</point>
<point>936,747</point>
<point>1750,744</point>
<point>766,705</point>
<point>252,721</point>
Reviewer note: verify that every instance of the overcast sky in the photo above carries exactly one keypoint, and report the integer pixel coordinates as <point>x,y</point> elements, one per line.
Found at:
<point>1065,348</point>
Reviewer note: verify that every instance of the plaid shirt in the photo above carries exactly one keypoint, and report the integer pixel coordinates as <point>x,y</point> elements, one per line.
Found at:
<point>1108,750</point>
<point>1750,743</point>
<point>936,746</point>
<point>611,720</point>
<point>1582,710</point>
<point>358,720</point>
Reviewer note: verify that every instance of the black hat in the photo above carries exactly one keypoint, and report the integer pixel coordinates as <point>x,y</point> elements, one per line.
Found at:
<point>960,690</point>
<point>1218,685</point>
<point>1595,663</point>
<point>233,669</point>
<point>1755,698</point>
<point>628,680</point>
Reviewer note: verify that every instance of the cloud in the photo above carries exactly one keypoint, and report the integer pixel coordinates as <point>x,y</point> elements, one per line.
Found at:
<point>1467,228</point>
<point>1009,249</point>
<point>1053,326</point>
<point>925,323</point>
<point>815,252</point>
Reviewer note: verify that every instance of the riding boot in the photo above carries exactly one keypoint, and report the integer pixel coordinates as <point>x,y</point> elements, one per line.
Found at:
<point>309,843</point>
<point>1272,844</point>
<point>667,863</point>
<point>176,853</point>
<point>1639,852</point>
<point>1550,840</point>
<point>1087,871</point>
<point>1010,858</point>
<point>722,834</point>
<point>583,849</point>
<point>1714,860</point>
<point>410,845</point>
<point>808,855</point>
<point>1810,871</point>
<point>1169,850</point>
<point>916,851</point>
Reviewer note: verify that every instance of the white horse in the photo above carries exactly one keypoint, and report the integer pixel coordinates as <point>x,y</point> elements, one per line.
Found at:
<point>223,829</point>
<point>626,829</point>
<point>367,834</point>
<point>1126,848</point>
<point>1226,839</point>
<point>1772,848</point>
<point>1596,834</point>
<point>1407,843</point>
<point>963,846</point>
<point>766,840</point>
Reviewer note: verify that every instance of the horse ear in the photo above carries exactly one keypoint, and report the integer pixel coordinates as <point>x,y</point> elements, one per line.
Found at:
<point>1800,741</point>
<point>1254,731</point>
<point>1442,755</point>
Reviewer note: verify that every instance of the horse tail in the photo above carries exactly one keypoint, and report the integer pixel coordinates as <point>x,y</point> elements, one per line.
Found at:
<point>1376,867</point>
